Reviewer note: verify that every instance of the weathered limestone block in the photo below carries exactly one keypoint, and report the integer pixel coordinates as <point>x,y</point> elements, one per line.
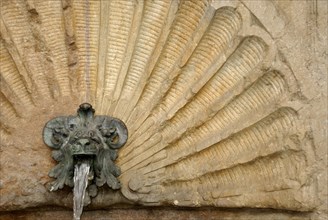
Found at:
<point>225,101</point>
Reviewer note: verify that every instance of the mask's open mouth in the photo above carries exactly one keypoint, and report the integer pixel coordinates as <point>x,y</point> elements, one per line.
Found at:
<point>83,158</point>
<point>89,159</point>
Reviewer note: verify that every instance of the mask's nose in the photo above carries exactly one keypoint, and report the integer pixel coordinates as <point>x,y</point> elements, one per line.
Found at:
<point>84,142</point>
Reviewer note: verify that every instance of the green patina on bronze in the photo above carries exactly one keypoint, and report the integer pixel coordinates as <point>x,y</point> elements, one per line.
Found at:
<point>85,137</point>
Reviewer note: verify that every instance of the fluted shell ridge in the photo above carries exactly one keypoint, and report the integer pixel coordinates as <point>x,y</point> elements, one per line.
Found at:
<point>210,122</point>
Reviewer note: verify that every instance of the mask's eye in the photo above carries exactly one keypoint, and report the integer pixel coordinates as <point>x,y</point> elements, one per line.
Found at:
<point>96,139</point>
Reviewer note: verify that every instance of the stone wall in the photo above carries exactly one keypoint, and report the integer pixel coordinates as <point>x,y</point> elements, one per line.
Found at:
<point>225,102</point>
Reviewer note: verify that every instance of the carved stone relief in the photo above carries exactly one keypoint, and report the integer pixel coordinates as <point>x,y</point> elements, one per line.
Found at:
<point>214,107</point>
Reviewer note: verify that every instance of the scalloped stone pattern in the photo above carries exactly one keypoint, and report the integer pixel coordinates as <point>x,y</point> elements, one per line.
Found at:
<point>211,105</point>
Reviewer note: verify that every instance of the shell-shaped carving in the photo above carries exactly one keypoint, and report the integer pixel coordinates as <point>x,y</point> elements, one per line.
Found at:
<point>208,102</point>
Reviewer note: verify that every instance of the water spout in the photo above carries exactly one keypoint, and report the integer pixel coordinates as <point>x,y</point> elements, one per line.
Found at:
<point>85,147</point>
<point>81,173</point>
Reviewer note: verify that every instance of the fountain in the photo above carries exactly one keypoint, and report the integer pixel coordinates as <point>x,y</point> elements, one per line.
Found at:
<point>85,147</point>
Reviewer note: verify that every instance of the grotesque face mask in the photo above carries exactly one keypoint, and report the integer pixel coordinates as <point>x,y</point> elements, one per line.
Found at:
<point>85,138</point>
